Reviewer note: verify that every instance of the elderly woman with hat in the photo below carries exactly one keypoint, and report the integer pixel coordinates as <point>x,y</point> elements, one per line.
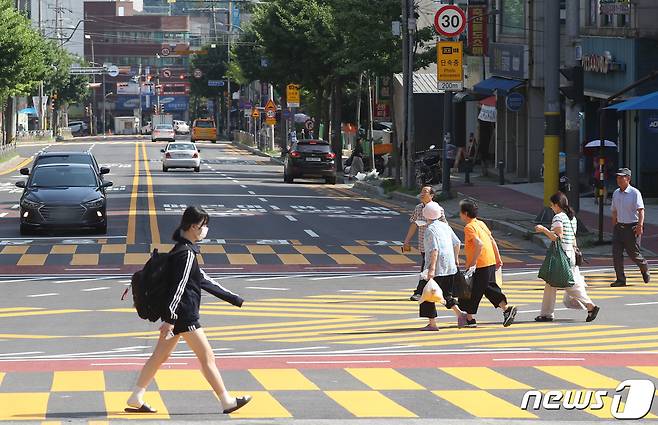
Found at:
<point>442,248</point>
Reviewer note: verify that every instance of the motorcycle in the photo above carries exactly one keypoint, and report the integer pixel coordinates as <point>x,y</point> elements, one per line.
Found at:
<point>428,167</point>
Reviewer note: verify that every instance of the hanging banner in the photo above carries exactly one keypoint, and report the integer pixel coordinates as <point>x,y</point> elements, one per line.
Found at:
<point>487,113</point>
<point>477,30</point>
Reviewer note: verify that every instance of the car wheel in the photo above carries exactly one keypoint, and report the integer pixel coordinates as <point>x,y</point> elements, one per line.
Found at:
<point>214,141</point>
<point>197,169</point>
<point>330,180</point>
<point>102,229</point>
<point>192,140</point>
<point>164,169</point>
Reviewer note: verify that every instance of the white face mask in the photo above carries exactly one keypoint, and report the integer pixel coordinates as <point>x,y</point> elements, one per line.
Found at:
<point>204,232</point>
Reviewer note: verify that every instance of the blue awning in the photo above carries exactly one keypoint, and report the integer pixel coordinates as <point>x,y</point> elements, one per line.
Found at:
<point>496,84</point>
<point>28,111</point>
<point>646,102</point>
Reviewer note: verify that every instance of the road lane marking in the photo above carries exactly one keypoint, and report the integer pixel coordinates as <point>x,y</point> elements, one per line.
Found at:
<point>132,214</point>
<point>18,167</point>
<point>266,288</point>
<point>274,207</point>
<point>236,181</point>
<point>153,215</point>
<point>242,186</point>
<point>15,206</point>
<point>653,302</point>
<point>3,214</point>
<point>262,199</point>
<point>42,295</point>
<point>100,288</point>
<point>291,218</point>
<point>312,233</point>
<point>251,192</point>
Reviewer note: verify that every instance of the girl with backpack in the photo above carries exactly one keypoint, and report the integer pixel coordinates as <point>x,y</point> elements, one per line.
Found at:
<point>180,314</point>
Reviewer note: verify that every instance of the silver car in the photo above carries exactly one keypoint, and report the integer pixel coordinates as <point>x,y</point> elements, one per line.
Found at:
<point>163,132</point>
<point>181,155</point>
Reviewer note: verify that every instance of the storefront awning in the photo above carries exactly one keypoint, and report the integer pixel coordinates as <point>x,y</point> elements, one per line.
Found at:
<point>497,84</point>
<point>646,102</point>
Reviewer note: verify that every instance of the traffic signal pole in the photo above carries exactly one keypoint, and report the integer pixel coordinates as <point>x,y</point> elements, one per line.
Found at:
<point>551,105</point>
<point>573,108</point>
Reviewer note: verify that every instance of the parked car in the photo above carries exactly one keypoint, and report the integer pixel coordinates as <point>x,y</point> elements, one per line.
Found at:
<point>181,155</point>
<point>181,127</point>
<point>146,129</point>
<point>83,157</point>
<point>63,196</point>
<point>78,128</point>
<point>310,158</point>
<point>163,132</point>
<point>204,129</point>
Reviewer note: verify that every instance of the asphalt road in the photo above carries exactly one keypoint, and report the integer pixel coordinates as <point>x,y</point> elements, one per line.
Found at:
<point>327,332</point>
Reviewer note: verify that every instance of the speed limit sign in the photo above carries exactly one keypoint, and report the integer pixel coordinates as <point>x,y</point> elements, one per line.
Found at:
<point>450,20</point>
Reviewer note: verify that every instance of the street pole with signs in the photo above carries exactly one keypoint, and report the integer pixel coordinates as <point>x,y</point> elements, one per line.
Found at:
<point>449,22</point>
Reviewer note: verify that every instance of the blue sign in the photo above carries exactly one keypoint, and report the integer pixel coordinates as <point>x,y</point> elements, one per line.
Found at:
<point>286,114</point>
<point>169,103</point>
<point>514,101</point>
<point>652,124</point>
<point>215,83</point>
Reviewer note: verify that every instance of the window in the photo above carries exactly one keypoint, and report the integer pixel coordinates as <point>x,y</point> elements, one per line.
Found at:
<point>513,17</point>
<point>592,12</point>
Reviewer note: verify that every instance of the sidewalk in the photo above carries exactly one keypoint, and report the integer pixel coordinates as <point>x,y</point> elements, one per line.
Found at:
<point>523,202</point>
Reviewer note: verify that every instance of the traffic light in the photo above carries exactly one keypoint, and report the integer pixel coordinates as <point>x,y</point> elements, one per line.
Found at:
<point>574,91</point>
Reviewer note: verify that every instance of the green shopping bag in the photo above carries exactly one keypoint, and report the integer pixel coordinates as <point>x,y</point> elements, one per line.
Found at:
<point>556,269</point>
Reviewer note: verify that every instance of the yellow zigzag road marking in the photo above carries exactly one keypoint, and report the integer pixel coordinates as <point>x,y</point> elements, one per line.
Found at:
<point>41,313</point>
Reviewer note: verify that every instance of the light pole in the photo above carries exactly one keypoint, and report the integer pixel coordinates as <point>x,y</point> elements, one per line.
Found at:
<point>228,64</point>
<point>93,97</point>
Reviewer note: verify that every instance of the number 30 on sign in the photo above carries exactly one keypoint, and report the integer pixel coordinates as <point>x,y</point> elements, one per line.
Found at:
<point>450,20</point>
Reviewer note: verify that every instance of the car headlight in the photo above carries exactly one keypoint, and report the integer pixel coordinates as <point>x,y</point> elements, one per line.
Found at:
<point>96,203</point>
<point>27,204</point>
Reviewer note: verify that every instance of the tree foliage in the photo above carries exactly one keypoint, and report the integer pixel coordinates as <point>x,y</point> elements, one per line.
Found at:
<point>213,66</point>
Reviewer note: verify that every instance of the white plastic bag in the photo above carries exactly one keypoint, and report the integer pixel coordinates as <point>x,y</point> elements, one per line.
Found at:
<point>432,293</point>
<point>499,277</point>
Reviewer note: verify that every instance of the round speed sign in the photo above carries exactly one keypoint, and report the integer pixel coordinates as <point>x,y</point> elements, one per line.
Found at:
<point>450,20</point>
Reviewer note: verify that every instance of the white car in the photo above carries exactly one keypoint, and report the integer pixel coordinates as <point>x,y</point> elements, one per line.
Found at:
<point>163,132</point>
<point>181,155</point>
<point>78,126</point>
<point>181,127</point>
<point>146,129</point>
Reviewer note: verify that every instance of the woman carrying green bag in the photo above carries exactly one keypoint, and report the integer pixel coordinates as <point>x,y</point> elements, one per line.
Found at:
<point>563,232</point>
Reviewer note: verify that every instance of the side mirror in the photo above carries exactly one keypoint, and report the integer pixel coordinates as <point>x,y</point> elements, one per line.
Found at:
<point>107,184</point>
<point>104,170</point>
<point>20,184</point>
<point>162,150</point>
<point>432,146</point>
<point>25,171</point>
<point>198,150</point>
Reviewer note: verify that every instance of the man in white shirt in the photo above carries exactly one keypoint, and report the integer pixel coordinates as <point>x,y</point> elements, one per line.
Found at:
<point>628,221</point>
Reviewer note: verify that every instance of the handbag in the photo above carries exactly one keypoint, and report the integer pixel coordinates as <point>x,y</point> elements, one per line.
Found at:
<point>556,269</point>
<point>462,286</point>
<point>576,250</point>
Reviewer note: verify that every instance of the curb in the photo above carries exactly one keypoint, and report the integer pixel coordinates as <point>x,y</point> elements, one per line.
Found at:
<point>257,152</point>
<point>13,164</point>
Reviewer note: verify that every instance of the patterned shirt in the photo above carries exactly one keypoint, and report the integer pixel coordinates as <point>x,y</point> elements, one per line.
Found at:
<point>569,228</point>
<point>417,215</point>
<point>439,236</point>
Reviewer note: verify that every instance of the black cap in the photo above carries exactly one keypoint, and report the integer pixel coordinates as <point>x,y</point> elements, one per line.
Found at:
<point>624,172</point>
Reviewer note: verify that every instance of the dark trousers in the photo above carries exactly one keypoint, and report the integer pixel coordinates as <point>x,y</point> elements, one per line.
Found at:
<point>484,283</point>
<point>421,282</point>
<point>428,309</point>
<point>623,238</point>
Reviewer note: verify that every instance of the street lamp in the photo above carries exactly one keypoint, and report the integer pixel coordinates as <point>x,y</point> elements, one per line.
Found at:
<point>91,105</point>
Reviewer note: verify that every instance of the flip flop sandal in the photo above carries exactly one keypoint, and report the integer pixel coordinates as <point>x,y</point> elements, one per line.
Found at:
<point>144,408</point>
<point>241,401</point>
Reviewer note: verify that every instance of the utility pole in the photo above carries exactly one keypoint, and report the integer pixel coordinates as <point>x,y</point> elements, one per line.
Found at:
<point>551,104</point>
<point>271,129</point>
<point>447,139</point>
<point>573,109</point>
<point>409,26</point>
<point>228,79</point>
<point>40,111</point>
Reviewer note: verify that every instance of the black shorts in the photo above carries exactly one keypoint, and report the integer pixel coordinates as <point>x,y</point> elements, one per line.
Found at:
<point>181,327</point>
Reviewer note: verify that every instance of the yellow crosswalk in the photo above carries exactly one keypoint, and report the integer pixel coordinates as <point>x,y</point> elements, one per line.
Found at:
<point>484,393</point>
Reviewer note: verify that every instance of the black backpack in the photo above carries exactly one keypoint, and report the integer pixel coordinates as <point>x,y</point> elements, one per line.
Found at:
<point>150,285</point>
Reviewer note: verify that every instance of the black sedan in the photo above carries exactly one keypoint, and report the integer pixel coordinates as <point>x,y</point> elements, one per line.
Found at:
<point>310,158</point>
<point>55,157</point>
<point>63,196</point>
